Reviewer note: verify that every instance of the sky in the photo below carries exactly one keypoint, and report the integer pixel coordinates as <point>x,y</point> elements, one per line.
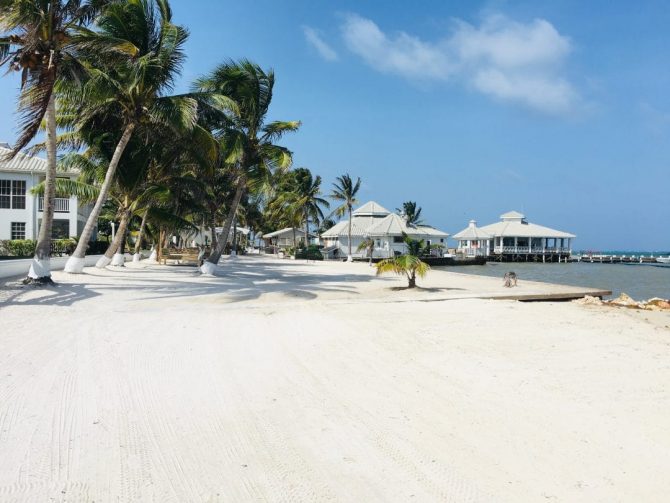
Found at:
<point>557,109</point>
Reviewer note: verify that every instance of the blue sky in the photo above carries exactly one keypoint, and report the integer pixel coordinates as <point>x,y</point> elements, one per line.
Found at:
<point>560,110</point>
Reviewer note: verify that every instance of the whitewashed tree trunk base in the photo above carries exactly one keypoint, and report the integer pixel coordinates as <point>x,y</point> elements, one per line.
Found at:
<point>154,255</point>
<point>350,258</point>
<point>103,262</point>
<point>208,269</point>
<point>39,269</point>
<point>118,260</point>
<point>137,257</point>
<point>75,265</point>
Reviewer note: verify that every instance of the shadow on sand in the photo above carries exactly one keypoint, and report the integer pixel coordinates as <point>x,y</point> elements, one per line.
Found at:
<point>237,281</point>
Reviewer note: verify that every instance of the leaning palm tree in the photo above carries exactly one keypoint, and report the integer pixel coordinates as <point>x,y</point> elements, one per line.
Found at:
<point>411,213</point>
<point>408,264</point>
<point>345,190</point>
<point>144,54</point>
<point>35,40</point>
<point>247,141</point>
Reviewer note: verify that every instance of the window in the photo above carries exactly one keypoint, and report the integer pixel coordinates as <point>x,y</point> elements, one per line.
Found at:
<point>19,194</point>
<point>398,239</point>
<point>60,228</point>
<point>13,194</point>
<point>5,193</point>
<point>18,230</point>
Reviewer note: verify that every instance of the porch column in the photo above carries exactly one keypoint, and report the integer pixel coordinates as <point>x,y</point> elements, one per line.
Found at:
<point>516,246</point>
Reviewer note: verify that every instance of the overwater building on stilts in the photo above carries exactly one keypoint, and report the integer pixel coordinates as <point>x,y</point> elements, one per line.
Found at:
<point>514,239</point>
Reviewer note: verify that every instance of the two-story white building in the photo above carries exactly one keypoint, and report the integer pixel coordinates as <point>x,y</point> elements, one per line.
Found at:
<point>21,212</point>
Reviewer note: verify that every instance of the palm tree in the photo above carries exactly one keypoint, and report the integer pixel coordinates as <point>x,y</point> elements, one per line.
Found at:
<point>409,264</point>
<point>298,201</point>
<point>411,213</point>
<point>368,244</point>
<point>345,190</point>
<point>35,39</point>
<point>247,142</point>
<point>126,89</point>
<point>309,198</point>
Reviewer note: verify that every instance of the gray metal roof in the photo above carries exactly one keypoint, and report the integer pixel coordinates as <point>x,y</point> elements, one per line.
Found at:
<point>472,232</point>
<point>371,208</point>
<point>24,163</point>
<point>21,162</point>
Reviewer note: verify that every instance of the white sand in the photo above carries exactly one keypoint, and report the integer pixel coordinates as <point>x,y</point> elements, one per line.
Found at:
<point>286,381</point>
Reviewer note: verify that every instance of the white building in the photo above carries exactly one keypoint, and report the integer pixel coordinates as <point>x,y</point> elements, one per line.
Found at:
<point>286,238</point>
<point>473,241</point>
<point>21,212</point>
<point>514,238</point>
<point>386,229</point>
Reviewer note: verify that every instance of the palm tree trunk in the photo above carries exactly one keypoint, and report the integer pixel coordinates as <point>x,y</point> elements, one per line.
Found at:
<point>105,260</point>
<point>295,241</point>
<point>75,264</point>
<point>209,265</point>
<point>140,234</point>
<point>212,225</point>
<point>40,269</point>
<point>412,280</point>
<point>349,257</point>
<point>233,247</point>
<point>306,231</point>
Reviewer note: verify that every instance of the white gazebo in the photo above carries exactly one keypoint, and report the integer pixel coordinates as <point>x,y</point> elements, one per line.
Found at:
<point>473,241</point>
<point>514,239</point>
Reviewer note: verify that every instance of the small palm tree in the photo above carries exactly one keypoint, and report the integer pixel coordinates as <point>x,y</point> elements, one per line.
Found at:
<point>411,213</point>
<point>345,190</point>
<point>409,264</point>
<point>368,244</point>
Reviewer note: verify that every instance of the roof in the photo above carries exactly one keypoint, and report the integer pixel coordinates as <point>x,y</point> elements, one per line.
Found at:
<point>359,227</point>
<point>472,232</point>
<point>395,225</point>
<point>512,215</point>
<point>285,230</point>
<point>22,163</point>
<point>371,208</point>
<point>513,224</point>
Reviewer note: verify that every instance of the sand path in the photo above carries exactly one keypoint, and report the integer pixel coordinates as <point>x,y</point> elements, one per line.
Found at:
<point>295,382</point>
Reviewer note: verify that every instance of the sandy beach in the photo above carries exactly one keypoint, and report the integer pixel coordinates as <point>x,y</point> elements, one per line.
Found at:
<point>294,381</point>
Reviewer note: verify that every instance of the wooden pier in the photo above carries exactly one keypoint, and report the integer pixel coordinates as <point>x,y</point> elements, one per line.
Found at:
<point>613,259</point>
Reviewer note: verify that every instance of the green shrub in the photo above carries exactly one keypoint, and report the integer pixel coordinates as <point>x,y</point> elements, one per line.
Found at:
<point>21,247</point>
<point>313,252</point>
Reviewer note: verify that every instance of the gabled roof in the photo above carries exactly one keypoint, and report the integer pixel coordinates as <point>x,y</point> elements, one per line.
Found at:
<point>371,208</point>
<point>472,232</point>
<point>23,163</point>
<point>395,225</point>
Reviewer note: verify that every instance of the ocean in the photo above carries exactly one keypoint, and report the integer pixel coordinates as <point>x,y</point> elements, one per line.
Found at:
<point>640,281</point>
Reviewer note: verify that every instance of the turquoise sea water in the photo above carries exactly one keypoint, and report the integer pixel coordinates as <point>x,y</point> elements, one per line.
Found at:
<point>640,281</point>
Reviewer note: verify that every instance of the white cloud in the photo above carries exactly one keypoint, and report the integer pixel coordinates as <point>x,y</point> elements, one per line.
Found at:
<point>315,40</point>
<point>403,55</point>
<point>510,61</point>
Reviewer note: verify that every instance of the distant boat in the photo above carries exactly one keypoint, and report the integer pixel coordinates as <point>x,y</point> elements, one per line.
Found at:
<point>663,260</point>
